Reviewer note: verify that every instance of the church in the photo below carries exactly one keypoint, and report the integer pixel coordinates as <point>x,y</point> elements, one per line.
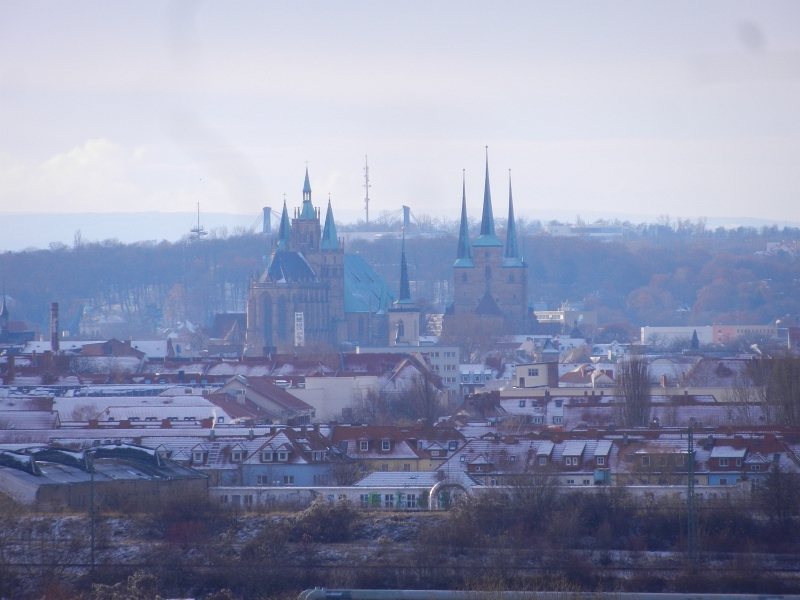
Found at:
<point>490,279</point>
<point>314,294</point>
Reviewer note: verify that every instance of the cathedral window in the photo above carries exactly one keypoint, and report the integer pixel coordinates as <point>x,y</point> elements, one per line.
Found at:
<point>281,318</point>
<point>488,273</point>
<point>267,319</point>
<point>401,329</point>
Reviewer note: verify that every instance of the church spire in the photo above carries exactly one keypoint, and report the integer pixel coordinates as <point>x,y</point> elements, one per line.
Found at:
<point>487,236</point>
<point>511,256</point>
<point>307,210</point>
<point>330,240</point>
<point>284,229</point>
<point>464,256</point>
<point>405,289</point>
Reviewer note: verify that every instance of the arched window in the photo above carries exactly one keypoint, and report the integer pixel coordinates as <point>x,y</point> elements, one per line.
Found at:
<point>401,329</point>
<point>488,273</point>
<point>267,302</point>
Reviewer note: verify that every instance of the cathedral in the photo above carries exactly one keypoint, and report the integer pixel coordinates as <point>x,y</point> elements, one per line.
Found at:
<point>490,280</point>
<point>313,293</point>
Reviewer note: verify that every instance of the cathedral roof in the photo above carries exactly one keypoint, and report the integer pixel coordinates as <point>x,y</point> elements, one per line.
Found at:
<point>289,267</point>
<point>364,289</point>
<point>487,307</point>
<point>487,236</point>
<point>330,241</point>
<point>464,255</point>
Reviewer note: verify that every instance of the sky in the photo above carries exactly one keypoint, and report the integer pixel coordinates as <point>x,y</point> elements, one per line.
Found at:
<point>598,109</point>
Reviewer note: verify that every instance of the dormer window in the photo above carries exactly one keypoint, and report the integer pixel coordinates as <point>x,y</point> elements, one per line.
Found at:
<point>512,458</point>
<point>452,446</point>
<point>601,460</point>
<point>542,460</point>
<point>266,457</point>
<point>283,456</point>
<point>386,445</point>
<point>363,445</point>
<point>197,457</point>
<point>237,456</point>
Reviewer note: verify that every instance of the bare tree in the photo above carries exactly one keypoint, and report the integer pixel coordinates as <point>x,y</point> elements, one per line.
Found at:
<point>421,401</point>
<point>633,385</point>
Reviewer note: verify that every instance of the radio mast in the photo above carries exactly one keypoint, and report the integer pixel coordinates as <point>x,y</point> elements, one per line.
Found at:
<point>366,185</point>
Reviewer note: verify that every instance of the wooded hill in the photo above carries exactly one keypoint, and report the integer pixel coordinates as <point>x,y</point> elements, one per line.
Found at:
<point>658,274</point>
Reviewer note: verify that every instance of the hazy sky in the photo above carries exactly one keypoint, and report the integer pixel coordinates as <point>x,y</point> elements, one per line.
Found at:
<point>682,108</point>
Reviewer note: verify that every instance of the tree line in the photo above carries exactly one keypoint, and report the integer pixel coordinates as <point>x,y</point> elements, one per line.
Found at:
<point>659,274</point>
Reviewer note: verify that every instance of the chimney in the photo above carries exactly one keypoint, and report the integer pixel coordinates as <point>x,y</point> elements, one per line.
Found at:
<point>166,424</point>
<point>54,327</point>
<point>124,424</point>
<point>251,435</point>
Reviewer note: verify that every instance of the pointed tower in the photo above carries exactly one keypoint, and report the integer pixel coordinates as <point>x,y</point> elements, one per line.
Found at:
<point>306,231</point>
<point>511,257</point>
<point>284,230</point>
<point>403,315</point>
<point>307,210</point>
<point>464,255</point>
<point>330,241</point>
<point>487,236</point>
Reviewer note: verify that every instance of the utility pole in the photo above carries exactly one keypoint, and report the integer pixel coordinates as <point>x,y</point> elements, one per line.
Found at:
<point>692,516</point>
<point>366,185</point>
<point>91,506</point>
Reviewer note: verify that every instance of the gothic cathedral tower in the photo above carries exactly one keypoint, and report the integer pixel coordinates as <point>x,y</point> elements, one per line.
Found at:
<point>490,277</point>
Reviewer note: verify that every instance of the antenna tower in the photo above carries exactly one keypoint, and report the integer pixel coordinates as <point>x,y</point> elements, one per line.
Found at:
<point>366,185</point>
<point>197,233</point>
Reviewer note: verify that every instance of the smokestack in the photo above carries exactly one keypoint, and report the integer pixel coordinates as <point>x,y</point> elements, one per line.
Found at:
<point>54,327</point>
<point>267,225</point>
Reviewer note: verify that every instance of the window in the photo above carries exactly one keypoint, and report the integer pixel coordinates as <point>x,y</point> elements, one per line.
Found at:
<point>449,367</point>
<point>197,457</point>
<point>723,462</point>
<point>386,445</point>
<point>223,499</point>
<point>537,420</point>
<point>679,460</point>
<point>755,467</point>
<point>398,384</point>
<point>288,480</point>
<point>236,456</point>
<point>248,499</point>
<point>522,403</point>
<point>449,354</point>
<point>568,461</point>
<point>542,460</point>
<point>601,460</point>
<point>465,378</point>
<point>512,458</point>
<point>283,456</point>
<point>384,467</point>
<point>723,481</point>
<point>406,467</point>
<point>558,420</point>
<point>434,453</point>
<point>586,482</point>
<point>533,372</point>
<point>570,482</point>
<point>411,501</point>
<point>462,459</point>
<point>266,457</point>
<point>363,445</point>
<point>645,461</point>
<point>559,403</point>
<point>388,501</point>
<point>262,480</point>
<point>220,419</point>
<point>738,462</point>
<point>452,446</point>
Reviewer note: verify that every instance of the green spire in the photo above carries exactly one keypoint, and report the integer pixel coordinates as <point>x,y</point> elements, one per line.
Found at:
<point>464,256</point>
<point>405,288</point>
<point>511,257</point>
<point>284,229</point>
<point>487,236</point>
<point>307,210</point>
<point>330,240</point>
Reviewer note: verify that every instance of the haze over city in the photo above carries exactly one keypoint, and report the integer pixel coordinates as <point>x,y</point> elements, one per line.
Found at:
<point>621,110</point>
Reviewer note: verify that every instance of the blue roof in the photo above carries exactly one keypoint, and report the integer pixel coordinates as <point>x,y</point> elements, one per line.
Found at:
<point>364,289</point>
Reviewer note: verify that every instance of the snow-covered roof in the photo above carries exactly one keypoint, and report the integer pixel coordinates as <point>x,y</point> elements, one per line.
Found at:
<point>727,452</point>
